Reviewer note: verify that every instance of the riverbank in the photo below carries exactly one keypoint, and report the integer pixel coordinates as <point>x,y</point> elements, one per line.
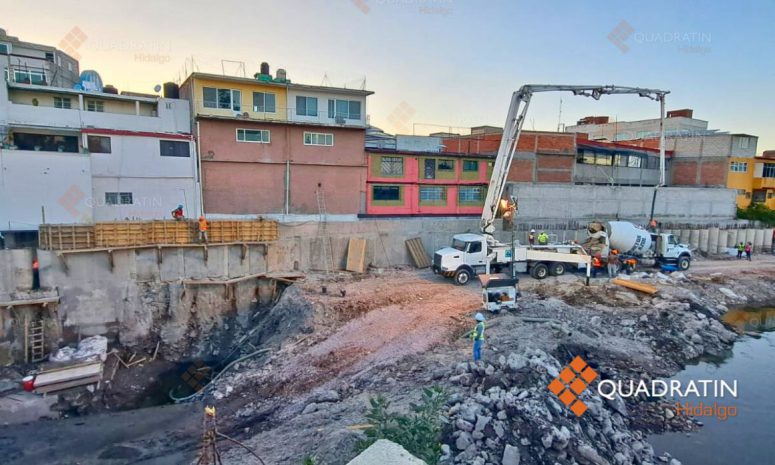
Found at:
<point>396,331</point>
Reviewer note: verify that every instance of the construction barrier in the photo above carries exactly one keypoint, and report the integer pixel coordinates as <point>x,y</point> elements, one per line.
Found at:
<point>161,232</point>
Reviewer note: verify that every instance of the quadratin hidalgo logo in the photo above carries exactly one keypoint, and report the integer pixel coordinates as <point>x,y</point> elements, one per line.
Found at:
<point>573,380</point>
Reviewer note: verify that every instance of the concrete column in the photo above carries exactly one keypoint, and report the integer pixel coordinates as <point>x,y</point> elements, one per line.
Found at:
<point>723,237</point>
<point>713,240</point>
<point>704,240</point>
<point>750,235</point>
<point>683,235</point>
<point>758,240</point>
<point>694,238</point>
<point>732,238</point>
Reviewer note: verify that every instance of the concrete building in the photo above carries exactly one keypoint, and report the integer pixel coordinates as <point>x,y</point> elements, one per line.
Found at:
<point>268,146</point>
<point>28,63</point>
<point>677,122</point>
<point>763,185</point>
<point>71,156</point>
<point>617,164</point>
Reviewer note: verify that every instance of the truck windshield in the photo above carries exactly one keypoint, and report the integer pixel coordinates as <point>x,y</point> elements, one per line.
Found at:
<point>459,245</point>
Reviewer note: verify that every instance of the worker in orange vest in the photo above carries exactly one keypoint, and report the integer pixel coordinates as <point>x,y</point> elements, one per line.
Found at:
<point>35,274</point>
<point>202,229</point>
<point>597,263</point>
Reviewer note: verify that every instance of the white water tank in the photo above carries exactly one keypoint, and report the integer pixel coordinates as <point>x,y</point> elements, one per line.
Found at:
<point>628,238</point>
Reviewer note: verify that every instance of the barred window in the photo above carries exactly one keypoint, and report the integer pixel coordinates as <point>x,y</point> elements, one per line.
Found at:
<point>391,166</point>
<point>470,194</point>
<point>433,193</point>
<point>738,167</point>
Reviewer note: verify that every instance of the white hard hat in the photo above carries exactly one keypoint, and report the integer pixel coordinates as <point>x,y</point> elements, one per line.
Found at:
<point>479,317</point>
<point>532,230</point>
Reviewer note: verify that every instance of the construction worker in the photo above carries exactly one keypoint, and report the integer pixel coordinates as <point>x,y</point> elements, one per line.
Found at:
<point>177,213</point>
<point>202,229</point>
<point>543,238</point>
<point>613,263</point>
<point>531,238</point>
<point>653,225</point>
<point>35,274</point>
<point>477,335</point>
<point>748,249</point>
<point>597,263</point>
<point>740,250</point>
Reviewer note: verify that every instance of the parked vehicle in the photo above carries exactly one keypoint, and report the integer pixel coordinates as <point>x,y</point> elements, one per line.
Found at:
<point>499,292</point>
<point>633,241</point>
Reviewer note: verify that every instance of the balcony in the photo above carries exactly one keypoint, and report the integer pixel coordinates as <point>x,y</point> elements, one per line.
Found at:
<point>286,114</point>
<point>764,183</point>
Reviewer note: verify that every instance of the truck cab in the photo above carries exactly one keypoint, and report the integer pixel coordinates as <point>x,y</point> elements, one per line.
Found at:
<point>669,250</point>
<point>466,258</point>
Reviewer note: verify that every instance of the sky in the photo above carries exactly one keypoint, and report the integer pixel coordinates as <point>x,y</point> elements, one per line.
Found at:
<point>436,65</point>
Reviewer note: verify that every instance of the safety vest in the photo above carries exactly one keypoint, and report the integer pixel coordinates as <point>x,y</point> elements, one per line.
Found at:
<point>543,238</point>
<point>740,247</point>
<point>203,225</point>
<point>596,262</point>
<point>478,333</point>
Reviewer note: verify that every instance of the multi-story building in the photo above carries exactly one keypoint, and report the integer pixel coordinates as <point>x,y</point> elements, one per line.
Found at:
<point>677,122</point>
<point>270,146</point>
<point>28,63</point>
<point>416,178</point>
<point>763,183</point>
<point>70,156</point>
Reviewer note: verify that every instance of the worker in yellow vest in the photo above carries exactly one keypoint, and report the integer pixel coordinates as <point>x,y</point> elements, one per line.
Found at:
<point>477,335</point>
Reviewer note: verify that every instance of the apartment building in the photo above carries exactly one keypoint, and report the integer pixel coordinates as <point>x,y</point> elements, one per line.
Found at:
<point>763,183</point>
<point>677,122</point>
<point>269,146</point>
<point>70,156</point>
<point>29,63</point>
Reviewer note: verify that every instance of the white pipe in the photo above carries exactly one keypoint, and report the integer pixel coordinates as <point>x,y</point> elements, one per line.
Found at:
<point>662,140</point>
<point>199,172</point>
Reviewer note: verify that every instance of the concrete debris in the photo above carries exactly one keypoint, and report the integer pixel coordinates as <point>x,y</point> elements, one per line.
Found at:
<point>384,452</point>
<point>89,349</point>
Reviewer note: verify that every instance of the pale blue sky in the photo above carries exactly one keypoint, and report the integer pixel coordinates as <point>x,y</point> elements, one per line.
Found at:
<point>452,62</point>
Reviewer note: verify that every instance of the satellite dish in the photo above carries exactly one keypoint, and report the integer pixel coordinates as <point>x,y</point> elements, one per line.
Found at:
<point>157,88</point>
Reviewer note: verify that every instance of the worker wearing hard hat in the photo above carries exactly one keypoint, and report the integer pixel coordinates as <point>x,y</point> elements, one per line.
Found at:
<point>202,229</point>
<point>543,238</point>
<point>477,335</point>
<point>531,238</point>
<point>613,263</point>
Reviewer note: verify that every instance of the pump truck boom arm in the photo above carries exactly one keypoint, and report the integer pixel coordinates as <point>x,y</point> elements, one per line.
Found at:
<point>520,101</point>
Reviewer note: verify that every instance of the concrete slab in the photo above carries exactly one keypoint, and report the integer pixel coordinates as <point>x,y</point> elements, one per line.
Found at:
<point>384,452</point>
<point>25,407</point>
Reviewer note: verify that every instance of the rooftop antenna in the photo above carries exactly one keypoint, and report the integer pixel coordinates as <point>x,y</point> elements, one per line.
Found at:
<point>240,67</point>
<point>326,82</point>
<point>559,117</point>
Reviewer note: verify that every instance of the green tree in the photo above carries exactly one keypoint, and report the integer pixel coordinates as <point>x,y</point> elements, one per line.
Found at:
<point>419,432</point>
<point>757,212</point>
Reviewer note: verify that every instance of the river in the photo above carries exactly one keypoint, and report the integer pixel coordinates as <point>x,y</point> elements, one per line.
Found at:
<point>747,437</point>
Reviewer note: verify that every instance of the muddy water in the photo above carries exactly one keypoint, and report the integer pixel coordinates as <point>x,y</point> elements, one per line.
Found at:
<point>746,438</point>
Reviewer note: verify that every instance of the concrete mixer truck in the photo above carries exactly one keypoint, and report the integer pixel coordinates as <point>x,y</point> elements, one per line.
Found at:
<point>649,248</point>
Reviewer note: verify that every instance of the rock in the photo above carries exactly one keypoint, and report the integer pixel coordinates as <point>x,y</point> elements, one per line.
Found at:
<point>502,415</point>
<point>589,455</point>
<point>617,404</point>
<point>311,407</point>
<point>463,441</point>
<point>468,411</point>
<point>510,455</point>
<point>516,362</point>
<point>328,395</point>
<point>669,414</point>
<point>499,429</point>
<point>696,338</point>
<point>728,293</point>
<point>675,462</point>
<point>561,438</point>
<point>547,440</point>
<point>464,425</point>
<point>481,422</point>
<point>595,321</point>
<point>489,370</point>
<point>628,322</point>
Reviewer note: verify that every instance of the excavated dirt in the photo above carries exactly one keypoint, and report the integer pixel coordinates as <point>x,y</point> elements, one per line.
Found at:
<point>398,331</point>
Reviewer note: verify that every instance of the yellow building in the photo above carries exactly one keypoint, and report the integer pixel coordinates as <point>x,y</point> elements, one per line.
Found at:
<point>740,177</point>
<point>763,180</point>
<point>229,96</point>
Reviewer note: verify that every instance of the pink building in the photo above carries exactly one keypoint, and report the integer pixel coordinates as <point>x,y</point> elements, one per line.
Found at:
<point>427,184</point>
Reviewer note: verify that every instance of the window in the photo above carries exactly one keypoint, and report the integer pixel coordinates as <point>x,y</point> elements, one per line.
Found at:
<point>474,247</point>
<point>620,160</point>
<point>634,161</point>
<point>759,196</point>
<point>430,168</point>
<point>226,99</point>
<point>349,109</point>
<point>386,193</point>
<point>174,148</point>
<point>5,49</point>
<point>768,171</point>
<point>433,194</point>
<point>98,144</point>
<point>45,142</point>
<point>29,77</point>
<point>95,105</point>
<point>741,192</point>
<point>743,142</point>
<point>391,166</point>
<point>470,194</point>
<point>260,136</point>
<point>470,165</point>
<point>318,138</point>
<point>446,165</point>
<point>738,167</point>
<point>118,198</point>
<point>588,158</point>
<point>264,102</point>
<point>306,106</point>
<point>62,102</point>
<point>603,159</point>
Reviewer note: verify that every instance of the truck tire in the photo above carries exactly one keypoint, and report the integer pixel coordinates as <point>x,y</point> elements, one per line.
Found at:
<point>462,277</point>
<point>684,262</point>
<point>539,271</point>
<point>557,269</point>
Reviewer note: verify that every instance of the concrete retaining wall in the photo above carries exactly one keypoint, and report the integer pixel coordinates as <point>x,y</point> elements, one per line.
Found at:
<point>582,202</point>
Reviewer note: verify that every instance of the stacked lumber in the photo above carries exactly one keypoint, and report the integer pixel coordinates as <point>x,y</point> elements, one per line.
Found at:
<point>159,232</point>
<point>59,379</point>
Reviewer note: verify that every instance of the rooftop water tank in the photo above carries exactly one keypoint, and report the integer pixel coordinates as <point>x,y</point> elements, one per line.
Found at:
<point>264,68</point>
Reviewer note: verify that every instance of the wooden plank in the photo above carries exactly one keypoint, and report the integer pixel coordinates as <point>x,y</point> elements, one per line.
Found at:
<point>68,373</point>
<point>41,301</point>
<point>642,287</point>
<point>418,253</point>
<point>356,255</point>
<point>67,384</point>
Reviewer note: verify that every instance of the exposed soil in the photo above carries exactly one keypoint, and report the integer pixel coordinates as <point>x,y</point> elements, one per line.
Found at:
<point>397,331</point>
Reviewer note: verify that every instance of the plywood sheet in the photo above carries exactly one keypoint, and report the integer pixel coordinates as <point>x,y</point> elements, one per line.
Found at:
<point>356,255</point>
<point>418,253</point>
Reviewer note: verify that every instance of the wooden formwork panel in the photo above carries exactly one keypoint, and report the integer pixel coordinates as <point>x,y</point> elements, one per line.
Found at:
<point>418,253</point>
<point>160,232</point>
<point>356,255</point>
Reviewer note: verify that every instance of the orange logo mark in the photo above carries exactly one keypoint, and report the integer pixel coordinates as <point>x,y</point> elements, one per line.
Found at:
<point>573,380</point>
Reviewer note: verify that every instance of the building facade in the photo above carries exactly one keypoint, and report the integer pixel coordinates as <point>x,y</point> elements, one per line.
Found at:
<point>272,147</point>
<point>763,184</point>
<point>402,182</point>
<point>677,122</point>
<point>28,63</point>
<point>71,156</point>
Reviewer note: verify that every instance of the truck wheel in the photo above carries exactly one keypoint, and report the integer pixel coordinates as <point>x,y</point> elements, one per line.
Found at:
<point>683,263</point>
<point>557,269</point>
<point>462,277</point>
<point>539,271</point>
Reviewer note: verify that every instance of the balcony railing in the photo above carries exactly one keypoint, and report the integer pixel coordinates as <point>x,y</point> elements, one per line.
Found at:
<point>289,114</point>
